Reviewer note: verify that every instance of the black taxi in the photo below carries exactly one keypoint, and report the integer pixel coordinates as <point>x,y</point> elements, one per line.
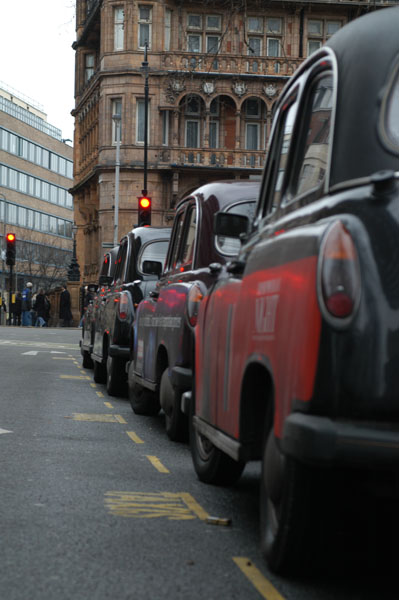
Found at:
<point>297,344</point>
<point>161,369</point>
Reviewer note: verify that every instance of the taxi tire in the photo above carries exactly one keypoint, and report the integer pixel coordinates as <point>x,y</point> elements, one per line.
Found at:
<point>116,376</point>
<point>290,511</point>
<point>176,423</point>
<point>87,361</point>
<point>143,401</point>
<point>99,372</point>
<point>211,464</point>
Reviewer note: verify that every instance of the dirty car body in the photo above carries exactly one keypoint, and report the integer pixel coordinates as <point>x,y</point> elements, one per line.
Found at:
<point>297,346</point>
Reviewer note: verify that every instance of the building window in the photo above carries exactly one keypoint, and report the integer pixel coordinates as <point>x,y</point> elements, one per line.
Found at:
<point>165,127</point>
<point>145,24</point>
<point>140,111</point>
<point>255,24</point>
<point>254,46</point>
<point>274,25</point>
<point>119,17</point>
<point>213,22</point>
<point>89,67</point>
<point>167,25</point>
<point>332,27</point>
<point>315,27</point>
<point>273,47</point>
<point>194,21</point>
<point>252,136</point>
<point>214,134</point>
<point>212,44</point>
<point>116,110</point>
<point>194,43</point>
<point>192,133</point>
<point>319,31</point>
<point>313,45</point>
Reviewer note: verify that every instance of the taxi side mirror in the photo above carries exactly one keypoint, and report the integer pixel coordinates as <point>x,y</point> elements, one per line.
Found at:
<point>230,225</point>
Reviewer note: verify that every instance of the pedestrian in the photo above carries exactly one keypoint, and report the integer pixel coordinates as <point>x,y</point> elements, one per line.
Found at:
<point>47,305</point>
<point>40,308</point>
<point>16,309</point>
<point>26,305</point>
<point>65,307</point>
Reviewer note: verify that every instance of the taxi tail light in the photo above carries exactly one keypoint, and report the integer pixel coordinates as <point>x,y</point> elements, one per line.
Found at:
<point>339,273</point>
<point>194,298</point>
<point>123,307</point>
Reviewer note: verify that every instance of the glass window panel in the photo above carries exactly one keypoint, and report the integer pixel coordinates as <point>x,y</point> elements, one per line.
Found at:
<point>53,225</point>
<point>30,218</point>
<point>13,148</point>
<point>168,23</point>
<point>12,214</point>
<point>194,43</point>
<point>212,43</point>
<point>194,21</point>
<point>4,175</point>
<point>38,155</point>
<point>189,241</point>
<point>69,200</point>
<point>5,140</point>
<point>37,221</point>
<point>274,25</point>
<point>229,245</point>
<point>273,47</point>
<point>61,227</point>
<point>252,107</point>
<point>45,158</point>
<point>23,182</point>
<point>392,113</point>
<point>165,127</point>
<point>333,27</point>
<point>45,190</point>
<point>154,251</point>
<point>54,194</point>
<point>31,185</point>
<point>252,136</point>
<point>23,148</point>
<point>32,153</point>
<point>45,223</point>
<point>62,166</point>
<point>145,13</point>
<point>13,179</point>
<point>313,45</point>
<point>213,22</point>
<point>315,151</point>
<point>118,28</point>
<point>144,34</point>
<point>213,134</point>
<point>54,162</point>
<point>315,27</point>
<point>69,169</point>
<point>38,188</point>
<point>22,216</point>
<point>254,46</point>
<point>192,134</point>
<point>255,24</point>
<point>68,229</point>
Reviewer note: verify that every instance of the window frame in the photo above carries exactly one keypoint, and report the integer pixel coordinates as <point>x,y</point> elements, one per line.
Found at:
<point>147,22</point>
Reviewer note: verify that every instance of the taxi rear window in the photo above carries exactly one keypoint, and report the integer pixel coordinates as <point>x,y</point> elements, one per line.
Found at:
<point>390,113</point>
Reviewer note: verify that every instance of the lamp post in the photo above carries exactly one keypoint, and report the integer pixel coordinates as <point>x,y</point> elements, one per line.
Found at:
<point>117,120</point>
<point>73,271</point>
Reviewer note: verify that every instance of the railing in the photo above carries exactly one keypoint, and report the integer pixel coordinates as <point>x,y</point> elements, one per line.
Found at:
<point>232,64</point>
<point>196,157</point>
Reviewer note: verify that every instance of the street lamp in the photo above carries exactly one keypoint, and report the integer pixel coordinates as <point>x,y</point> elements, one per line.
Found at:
<point>117,120</point>
<point>73,271</point>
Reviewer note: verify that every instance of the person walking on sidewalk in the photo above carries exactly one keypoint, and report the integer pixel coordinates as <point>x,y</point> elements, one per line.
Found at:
<point>40,308</point>
<point>65,307</point>
<point>26,305</point>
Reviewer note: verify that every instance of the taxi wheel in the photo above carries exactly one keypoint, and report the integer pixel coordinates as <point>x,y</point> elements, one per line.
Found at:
<point>176,423</point>
<point>143,401</point>
<point>116,376</point>
<point>211,464</point>
<point>290,507</point>
<point>87,362</point>
<point>99,372</point>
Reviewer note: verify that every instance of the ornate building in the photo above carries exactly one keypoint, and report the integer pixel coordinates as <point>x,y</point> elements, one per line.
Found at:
<point>214,70</point>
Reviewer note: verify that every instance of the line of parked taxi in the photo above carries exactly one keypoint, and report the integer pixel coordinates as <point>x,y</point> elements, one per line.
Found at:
<point>272,332</point>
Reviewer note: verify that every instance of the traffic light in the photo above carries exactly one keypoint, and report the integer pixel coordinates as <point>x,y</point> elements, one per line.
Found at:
<point>10,248</point>
<point>144,211</point>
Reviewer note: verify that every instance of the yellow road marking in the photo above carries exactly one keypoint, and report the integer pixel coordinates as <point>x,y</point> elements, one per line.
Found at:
<point>259,581</point>
<point>157,464</point>
<point>120,419</point>
<point>81,377</point>
<point>84,372</point>
<point>107,404</point>
<point>95,418</point>
<point>194,506</point>
<point>133,436</point>
<point>93,385</point>
<point>140,505</point>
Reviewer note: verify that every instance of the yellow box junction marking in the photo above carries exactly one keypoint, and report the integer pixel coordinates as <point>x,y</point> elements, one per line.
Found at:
<point>81,377</point>
<point>93,385</point>
<point>141,505</point>
<point>157,464</point>
<point>259,581</point>
<point>133,436</point>
<point>97,418</point>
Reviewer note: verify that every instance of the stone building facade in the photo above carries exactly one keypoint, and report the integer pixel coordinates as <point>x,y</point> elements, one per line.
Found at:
<point>214,70</point>
<point>36,170</point>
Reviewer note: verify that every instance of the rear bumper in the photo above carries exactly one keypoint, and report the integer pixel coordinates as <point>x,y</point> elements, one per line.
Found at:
<point>119,351</point>
<point>321,440</point>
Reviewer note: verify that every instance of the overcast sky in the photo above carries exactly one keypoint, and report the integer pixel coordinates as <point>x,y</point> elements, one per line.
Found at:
<point>36,57</point>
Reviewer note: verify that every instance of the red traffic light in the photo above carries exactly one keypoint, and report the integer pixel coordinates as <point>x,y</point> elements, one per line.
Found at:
<point>144,211</point>
<point>10,249</point>
<point>145,202</point>
<point>10,237</point>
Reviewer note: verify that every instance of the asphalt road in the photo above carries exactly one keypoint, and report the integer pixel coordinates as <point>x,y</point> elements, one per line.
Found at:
<point>96,503</point>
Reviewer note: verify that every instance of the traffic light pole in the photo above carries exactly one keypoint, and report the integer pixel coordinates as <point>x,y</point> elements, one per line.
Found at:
<point>146,92</point>
<point>10,297</point>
